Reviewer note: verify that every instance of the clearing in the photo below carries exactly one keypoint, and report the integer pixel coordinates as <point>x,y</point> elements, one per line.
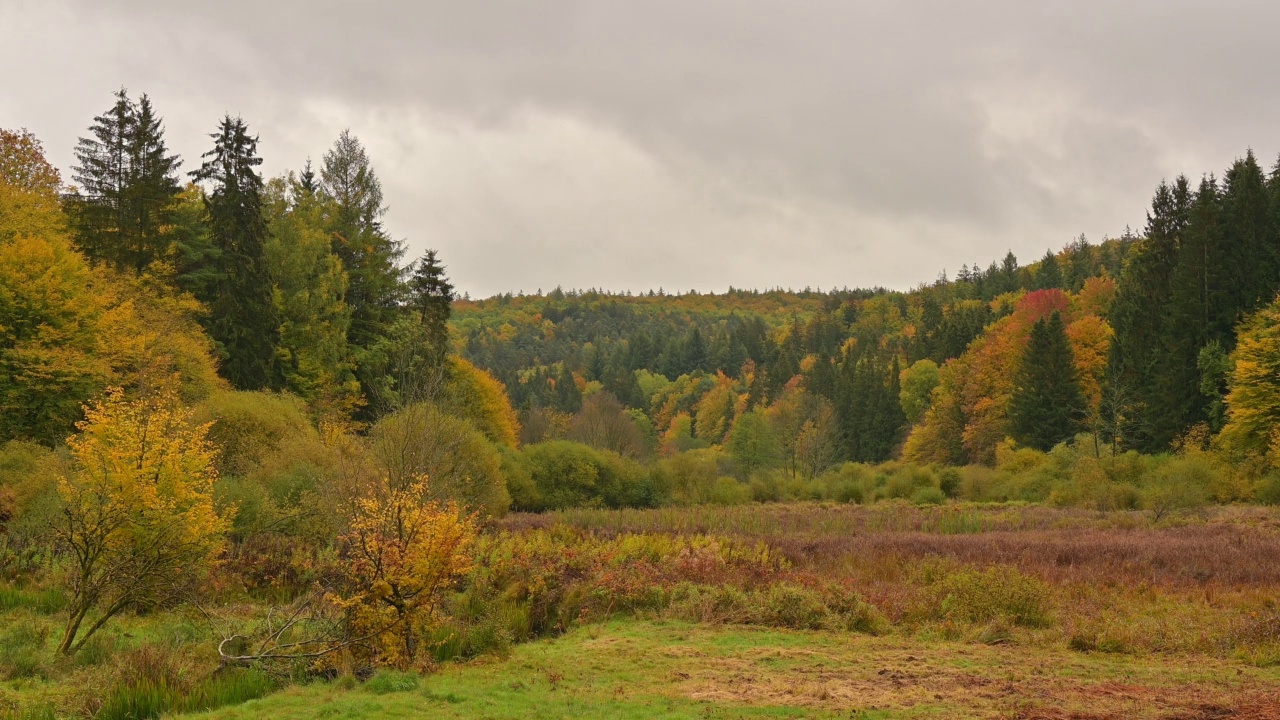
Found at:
<point>646,669</point>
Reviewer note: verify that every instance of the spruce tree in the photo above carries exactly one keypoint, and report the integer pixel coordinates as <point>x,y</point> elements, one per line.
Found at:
<point>431,297</point>
<point>242,319</point>
<point>1247,277</point>
<point>151,191</point>
<point>1048,406</point>
<point>1138,315</point>
<point>307,181</point>
<point>129,184</point>
<point>1049,275</point>
<point>100,215</point>
<point>370,256</point>
<point>1174,396</point>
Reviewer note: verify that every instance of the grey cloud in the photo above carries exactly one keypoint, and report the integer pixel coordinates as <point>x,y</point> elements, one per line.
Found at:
<point>693,144</point>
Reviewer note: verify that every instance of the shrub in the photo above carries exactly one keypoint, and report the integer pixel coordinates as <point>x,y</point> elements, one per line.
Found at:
<point>983,596</point>
<point>794,607</point>
<point>248,426</point>
<point>928,496</point>
<point>461,463</point>
<point>569,474</point>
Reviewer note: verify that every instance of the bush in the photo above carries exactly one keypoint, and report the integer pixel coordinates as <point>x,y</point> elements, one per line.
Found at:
<point>928,496</point>
<point>459,461</point>
<point>568,474</point>
<point>792,607</point>
<point>997,593</point>
<point>248,426</point>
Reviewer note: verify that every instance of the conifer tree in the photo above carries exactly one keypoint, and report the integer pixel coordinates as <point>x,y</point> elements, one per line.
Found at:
<point>129,183</point>
<point>153,187</point>
<point>1247,276</point>
<point>1048,406</point>
<point>431,296</point>
<point>370,256</point>
<point>242,320</point>
<point>1138,316</point>
<point>1050,273</point>
<point>1174,395</point>
<point>103,176</point>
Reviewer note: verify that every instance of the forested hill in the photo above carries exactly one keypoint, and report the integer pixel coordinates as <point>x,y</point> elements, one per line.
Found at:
<point>664,354</point>
<point>1130,340</point>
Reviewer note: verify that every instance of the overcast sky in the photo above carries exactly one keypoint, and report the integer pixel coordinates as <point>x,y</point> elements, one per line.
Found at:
<point>690,143</point>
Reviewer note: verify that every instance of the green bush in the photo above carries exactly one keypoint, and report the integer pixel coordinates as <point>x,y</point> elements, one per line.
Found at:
<point>459,461</point>
<point>928,496</point>
<point>997,593</point>
<point>248,426</point>
<point>569,474</point>
<point>794,607</point>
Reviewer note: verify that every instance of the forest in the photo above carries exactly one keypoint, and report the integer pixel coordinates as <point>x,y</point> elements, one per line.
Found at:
<point>250,447</point>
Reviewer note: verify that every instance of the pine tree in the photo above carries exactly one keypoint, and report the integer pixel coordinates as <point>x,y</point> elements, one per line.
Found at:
<point>1138,316</point>
<point>102,172</point>
<point>370,256</point>
<point>307,182</point>
<point>1050,273</point>
<point>1174,397</point>
<point>1048,406</point>
<point>152,189</point>
<point>242,319</point>
<point>431,296</point>
<point>130,186</point>
<point>1247,276</point>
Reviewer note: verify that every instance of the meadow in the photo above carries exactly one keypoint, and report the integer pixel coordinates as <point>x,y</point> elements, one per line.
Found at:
<point>770,610</point>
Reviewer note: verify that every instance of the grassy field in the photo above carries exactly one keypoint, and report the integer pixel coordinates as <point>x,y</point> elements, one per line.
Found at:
<point>645,669</point>
<point>788,610</point>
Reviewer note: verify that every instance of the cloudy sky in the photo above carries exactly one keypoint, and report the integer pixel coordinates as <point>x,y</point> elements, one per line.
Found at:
<point>690,143</point>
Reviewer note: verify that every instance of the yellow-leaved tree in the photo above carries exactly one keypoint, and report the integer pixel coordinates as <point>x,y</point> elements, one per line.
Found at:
<point>1253,403</point>
<point>138,515</point>
<point>402,554</point>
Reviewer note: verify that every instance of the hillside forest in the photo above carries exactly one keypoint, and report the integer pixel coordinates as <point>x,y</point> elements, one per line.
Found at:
<point>224,394</point>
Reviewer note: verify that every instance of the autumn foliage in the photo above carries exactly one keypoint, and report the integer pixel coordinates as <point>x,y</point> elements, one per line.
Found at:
<point>401,554</point>
<point>138,516</point>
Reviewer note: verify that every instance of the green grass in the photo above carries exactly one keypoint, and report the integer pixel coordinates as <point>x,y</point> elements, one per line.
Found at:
<point>640,669</point>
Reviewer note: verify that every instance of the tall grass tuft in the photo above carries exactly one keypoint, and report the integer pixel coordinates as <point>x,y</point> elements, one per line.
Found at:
<point>45,602</point>
<point>153,682</point>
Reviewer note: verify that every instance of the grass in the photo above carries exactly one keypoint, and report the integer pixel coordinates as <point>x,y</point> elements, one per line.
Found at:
<point>647,669</point>
<point>787,610</point>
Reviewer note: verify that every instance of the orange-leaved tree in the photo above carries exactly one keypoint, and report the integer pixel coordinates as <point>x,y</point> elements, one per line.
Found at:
<point>401,555</point>
<point>138,515</point>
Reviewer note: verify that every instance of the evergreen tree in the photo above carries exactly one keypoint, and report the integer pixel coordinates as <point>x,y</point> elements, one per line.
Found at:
<point>1048,406</point>
<point>242,320</point>
<point>1138,317</point>
<point>431,296</point>
<point>1247,276</point>
<point>307,182</point>
<point>1174,395</point>
<point>152,189</point>
<point>370,256</point>
<point>129,184</point>
<point>1049,275</point>
<point>103,176</point>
